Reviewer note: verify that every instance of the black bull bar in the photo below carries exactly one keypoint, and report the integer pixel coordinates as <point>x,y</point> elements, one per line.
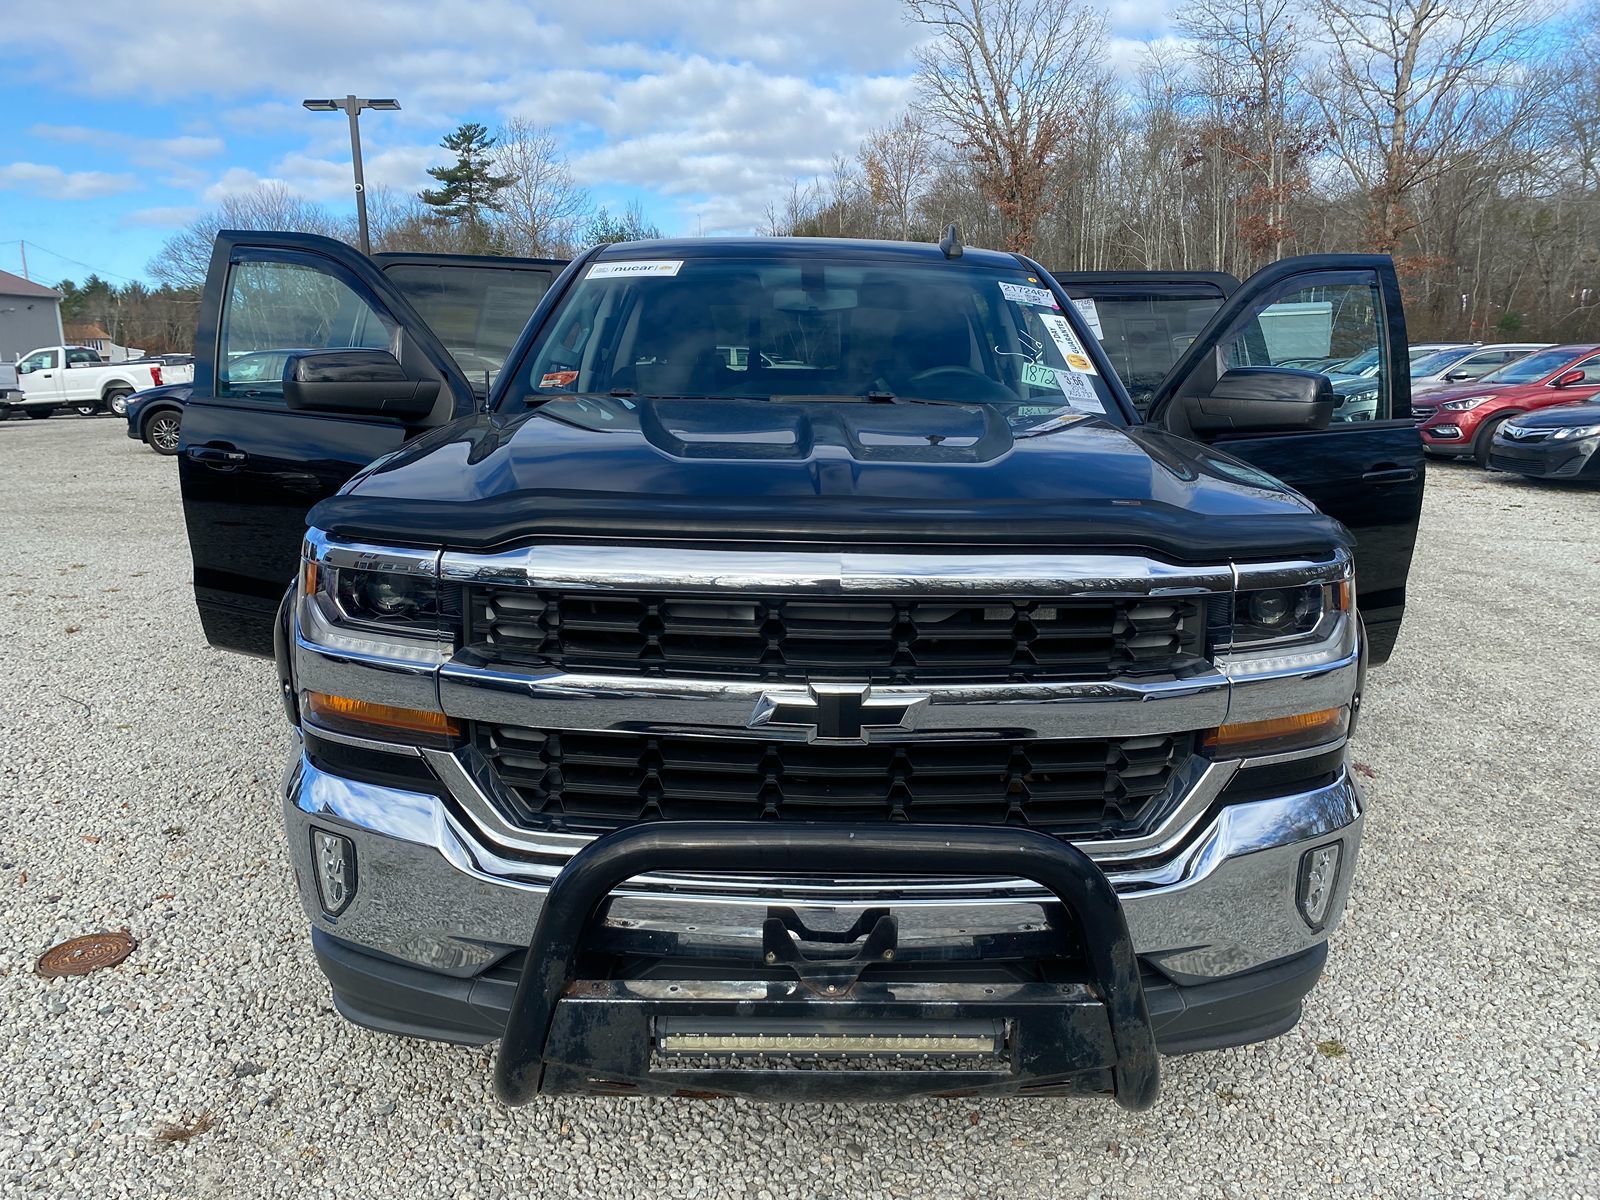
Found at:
<point>1109,1032</point>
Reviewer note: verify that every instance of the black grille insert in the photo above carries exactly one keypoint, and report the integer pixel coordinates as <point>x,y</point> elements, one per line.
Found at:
<point>877,640</point>
<point>1081,787</point>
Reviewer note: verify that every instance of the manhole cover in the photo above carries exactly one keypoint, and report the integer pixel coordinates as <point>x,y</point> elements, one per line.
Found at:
<point>84,954</point>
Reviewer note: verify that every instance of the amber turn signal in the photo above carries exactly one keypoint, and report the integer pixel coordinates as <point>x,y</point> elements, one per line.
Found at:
<point>342,714</point>
<point>1279,733</point>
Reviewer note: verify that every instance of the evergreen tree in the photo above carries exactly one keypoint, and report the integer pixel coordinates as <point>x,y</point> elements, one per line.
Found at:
<point>630,226</point>
<point>469,189</point>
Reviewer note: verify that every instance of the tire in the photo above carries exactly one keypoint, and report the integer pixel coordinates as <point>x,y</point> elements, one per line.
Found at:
<point>1480,444</point>
<point>117,402</point>
<point>87,409</point>
<point>161,431</point>
<point>39,414</point>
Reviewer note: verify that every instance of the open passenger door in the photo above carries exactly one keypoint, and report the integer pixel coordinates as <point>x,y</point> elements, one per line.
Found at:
<point>1337,314</point>
<point>311,361</point>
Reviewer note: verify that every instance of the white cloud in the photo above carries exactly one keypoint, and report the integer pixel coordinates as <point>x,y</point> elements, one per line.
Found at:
<point>161,217</point>
<point>55,184</point>
<point>186,146</point>
<point>714,107</point>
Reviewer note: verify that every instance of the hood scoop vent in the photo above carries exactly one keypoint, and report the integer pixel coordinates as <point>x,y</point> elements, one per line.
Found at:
<point>799,429</point>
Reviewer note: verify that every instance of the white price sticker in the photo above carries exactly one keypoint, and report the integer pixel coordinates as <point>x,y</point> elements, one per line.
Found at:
<point>1018,294</point>
<point>1091,317</point>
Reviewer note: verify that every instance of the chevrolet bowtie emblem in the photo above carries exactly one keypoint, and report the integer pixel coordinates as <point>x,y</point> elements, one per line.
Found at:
<point>837,712</point>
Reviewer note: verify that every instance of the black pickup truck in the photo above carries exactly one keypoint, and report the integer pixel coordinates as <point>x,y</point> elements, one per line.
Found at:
<point>797,667</point>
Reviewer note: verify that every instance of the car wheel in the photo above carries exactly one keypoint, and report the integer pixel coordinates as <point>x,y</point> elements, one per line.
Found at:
<point>39,414</point>
<point>117,402</point>
<point>86,409</point>
<point>162,432</point>
<point>1480,444</point>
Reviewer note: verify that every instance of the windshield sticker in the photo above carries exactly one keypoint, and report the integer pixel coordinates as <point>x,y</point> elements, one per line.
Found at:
<point>558,379</point>
<point>1018,294</point>
<point>616,270</point>
<point>1038,376</point>
<point>1079,392</point>
<point>1091,316</point>
<point>1071,349</point>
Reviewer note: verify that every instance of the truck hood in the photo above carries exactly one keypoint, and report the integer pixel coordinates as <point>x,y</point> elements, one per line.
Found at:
<point>839,473</point>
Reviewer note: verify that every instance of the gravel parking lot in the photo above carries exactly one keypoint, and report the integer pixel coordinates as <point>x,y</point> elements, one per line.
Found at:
<point>1451,1049</point>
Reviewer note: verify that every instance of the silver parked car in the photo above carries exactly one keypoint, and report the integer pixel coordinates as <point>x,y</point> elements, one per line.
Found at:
<point>1462,364</point>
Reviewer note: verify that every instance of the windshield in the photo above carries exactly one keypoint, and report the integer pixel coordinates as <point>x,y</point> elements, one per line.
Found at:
<point>1365,363</point>
<point>1432,364</point>
<point>807,328</point>
<point>1531,369</point>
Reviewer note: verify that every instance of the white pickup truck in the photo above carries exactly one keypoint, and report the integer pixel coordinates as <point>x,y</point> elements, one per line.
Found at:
<point>53,377</point>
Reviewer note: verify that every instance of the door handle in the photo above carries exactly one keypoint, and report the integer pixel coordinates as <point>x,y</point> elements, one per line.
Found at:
<point>216,454</point>
<point>48,375</point>
<point>1390,475</point>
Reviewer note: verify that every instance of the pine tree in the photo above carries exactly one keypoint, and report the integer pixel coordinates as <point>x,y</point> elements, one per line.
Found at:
<point>469,188</point>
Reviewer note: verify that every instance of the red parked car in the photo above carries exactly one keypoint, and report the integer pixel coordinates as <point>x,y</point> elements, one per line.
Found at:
<point>1461,420</point>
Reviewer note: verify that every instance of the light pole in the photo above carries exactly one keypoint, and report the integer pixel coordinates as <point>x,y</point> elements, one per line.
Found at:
<point>352,106</point>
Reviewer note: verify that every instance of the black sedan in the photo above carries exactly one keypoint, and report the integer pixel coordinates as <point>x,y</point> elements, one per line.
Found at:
<point>1554,443</point>
<point>155,416</point>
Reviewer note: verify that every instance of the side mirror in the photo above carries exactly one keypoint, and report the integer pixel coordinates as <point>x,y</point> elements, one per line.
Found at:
<point>1568,378</point>
<point>1458,376</point>
<point>359,382</point>
<point>1263,400</point>
<point>24,368</point>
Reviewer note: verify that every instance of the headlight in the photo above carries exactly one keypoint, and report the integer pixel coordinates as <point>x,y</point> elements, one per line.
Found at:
<point>1275,616</point>
<point>1575,431</point>
<point>376,602</point>
<point>1466,402</point>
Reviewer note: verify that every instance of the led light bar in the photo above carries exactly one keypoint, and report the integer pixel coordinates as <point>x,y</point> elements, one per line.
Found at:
<point>844,1037</point>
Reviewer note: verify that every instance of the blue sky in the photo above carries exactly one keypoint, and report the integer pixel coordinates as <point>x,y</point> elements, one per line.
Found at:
<point>118,124</point>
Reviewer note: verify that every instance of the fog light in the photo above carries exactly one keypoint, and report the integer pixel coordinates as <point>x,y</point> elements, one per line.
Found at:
<point>335,860</point>
<point>1319,874</point>
<point>1446,431</point>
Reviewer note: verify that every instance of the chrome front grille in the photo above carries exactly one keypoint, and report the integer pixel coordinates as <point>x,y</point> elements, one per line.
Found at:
<point>878,640</point>
<point>591,782</point>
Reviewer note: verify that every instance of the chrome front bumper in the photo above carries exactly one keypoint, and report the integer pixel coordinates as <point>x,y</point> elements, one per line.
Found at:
<point>431,892</point>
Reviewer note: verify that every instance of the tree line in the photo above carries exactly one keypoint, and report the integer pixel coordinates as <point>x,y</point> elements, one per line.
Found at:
<point>1460,136</point>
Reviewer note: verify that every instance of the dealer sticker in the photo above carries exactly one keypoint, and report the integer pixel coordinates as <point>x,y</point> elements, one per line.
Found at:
<point>1035,375</point>
<point>1091,316</point>
<point>620,270</point>
<point>1071,350</point>
<point>558,379</point>
<point>1018,294</point>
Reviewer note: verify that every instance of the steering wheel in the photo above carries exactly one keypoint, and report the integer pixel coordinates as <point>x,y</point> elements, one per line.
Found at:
<point>957,383</point>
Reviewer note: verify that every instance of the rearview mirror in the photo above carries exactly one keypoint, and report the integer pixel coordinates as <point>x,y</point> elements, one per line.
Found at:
<point>360,382</point>
<point>1567,378</point>
<point>1263,400</point>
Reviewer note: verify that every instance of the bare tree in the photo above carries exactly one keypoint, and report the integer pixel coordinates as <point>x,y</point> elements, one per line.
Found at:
<point>544,209</point>
<point>1008,78</point>
<point>1265,127</point>
<point>183,260</point>
<point>1407,80</point>
<point>898,161</point>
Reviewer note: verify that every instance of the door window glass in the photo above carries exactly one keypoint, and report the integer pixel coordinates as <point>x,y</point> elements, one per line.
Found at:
<point>43,360</point>
<point>1144,334</point>
<point>478,312</point>
<point>1335,329</point>
<point>276,308</point>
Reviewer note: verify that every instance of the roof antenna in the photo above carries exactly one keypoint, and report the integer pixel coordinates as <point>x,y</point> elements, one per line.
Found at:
<point>950,243</point>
